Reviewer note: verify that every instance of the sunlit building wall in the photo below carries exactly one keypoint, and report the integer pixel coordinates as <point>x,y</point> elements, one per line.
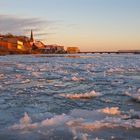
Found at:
<point>73,50</point>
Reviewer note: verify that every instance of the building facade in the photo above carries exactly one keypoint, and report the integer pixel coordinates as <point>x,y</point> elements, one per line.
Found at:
<point>73,50</point>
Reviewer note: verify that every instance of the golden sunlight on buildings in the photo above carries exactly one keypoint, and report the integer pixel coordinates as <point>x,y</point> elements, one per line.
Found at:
<point>20,45</point>
<point>73,50</point>
<point>13,44</point>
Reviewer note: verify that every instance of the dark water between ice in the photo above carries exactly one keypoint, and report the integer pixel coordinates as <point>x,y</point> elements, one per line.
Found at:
<point>82,97</point>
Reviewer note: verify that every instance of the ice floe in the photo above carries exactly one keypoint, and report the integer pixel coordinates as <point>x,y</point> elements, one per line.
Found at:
<point>82,120</point>
<point>74,78</point>
<point>112,111</point>
<point>116,70</point>
<point>135,96</point>
<point>86,95</point>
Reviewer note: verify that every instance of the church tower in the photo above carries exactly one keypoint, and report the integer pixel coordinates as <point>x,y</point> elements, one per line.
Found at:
<point>31,37</point>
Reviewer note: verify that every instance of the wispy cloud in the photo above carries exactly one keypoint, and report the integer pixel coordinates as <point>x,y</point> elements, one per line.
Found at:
<point>22,25</point>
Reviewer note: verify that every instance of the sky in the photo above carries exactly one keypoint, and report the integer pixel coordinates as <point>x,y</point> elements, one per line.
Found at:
<point>91,25</point>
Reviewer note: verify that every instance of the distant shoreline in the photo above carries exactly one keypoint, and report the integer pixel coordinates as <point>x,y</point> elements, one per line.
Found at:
<point>55,54</point>
<point>113,52</point>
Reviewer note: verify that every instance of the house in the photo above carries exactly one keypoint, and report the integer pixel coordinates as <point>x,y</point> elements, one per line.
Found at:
<point>54,49</point>
<point>39,44</point>
<point>73,50</point>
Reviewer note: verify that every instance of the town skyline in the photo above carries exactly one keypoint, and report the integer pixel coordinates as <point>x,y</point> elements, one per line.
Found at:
<point>91,25</point>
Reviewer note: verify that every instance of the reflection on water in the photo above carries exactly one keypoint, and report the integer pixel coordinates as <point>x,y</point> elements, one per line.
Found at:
<point>70,97</point>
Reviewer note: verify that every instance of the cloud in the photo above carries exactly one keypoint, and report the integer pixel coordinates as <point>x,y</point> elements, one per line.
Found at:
<point>22,26</point>
<point>43,34</point>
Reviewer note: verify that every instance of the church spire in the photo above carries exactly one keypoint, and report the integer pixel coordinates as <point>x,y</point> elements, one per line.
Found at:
<point>32,37</point>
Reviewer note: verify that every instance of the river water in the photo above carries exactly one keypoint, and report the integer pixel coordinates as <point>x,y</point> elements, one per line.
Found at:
<point>70,97</point>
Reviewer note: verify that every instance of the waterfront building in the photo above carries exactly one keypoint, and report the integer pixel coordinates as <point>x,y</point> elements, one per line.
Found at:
<point>9,43</point>
<point>54,49</point>
<point>15,44</point>
<point>39,44</point>
<point>73,50</point>
<point>25,45</point>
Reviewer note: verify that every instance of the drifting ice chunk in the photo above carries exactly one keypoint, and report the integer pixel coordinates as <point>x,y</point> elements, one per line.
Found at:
<point>111,111</point>
<point>135,96</point>
<point>82,95</point>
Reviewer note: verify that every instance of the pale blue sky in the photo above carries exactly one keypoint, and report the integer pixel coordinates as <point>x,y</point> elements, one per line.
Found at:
<point>89,24</point>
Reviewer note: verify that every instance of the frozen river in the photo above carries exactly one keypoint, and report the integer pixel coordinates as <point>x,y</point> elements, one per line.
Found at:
<point>70,97</point>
